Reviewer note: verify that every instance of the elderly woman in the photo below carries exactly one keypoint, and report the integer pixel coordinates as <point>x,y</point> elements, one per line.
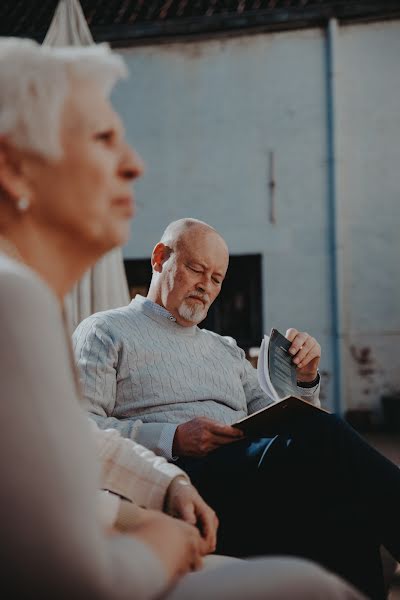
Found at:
<point>65,199</point>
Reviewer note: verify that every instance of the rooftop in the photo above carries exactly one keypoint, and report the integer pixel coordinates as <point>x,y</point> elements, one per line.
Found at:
<point>126,21</point>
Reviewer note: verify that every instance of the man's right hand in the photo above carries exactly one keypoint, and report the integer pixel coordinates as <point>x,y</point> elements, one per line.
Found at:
<point>177,543</point>
<point>201,435</point>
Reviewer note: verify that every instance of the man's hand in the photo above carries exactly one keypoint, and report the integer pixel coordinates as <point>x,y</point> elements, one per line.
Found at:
<point>201,435</point>
<point>306,354</point>
<point>177,544</point>
<point>184,502</point>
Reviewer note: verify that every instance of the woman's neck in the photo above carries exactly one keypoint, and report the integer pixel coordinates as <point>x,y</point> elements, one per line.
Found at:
<point>55,259</point>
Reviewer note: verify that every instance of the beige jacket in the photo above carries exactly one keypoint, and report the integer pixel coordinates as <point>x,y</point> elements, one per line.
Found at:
<point>131,471</point>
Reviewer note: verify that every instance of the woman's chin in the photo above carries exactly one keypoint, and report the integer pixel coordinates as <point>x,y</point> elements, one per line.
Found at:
<point>125,233</point>
<point>100,247</point>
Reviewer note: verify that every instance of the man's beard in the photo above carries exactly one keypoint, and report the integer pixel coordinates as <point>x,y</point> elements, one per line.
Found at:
<point>192,312</point>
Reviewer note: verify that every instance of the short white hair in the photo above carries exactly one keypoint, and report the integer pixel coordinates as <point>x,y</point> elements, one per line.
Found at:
<point>34,83</point>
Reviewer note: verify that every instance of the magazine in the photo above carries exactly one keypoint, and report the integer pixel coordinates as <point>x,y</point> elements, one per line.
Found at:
<point>276,373</point>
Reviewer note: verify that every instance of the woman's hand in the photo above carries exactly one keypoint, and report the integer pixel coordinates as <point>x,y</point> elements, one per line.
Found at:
<point>184,502</point>
<point>177,543</point>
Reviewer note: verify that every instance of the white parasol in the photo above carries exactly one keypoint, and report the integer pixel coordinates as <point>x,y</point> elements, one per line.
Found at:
<point>104,286</point>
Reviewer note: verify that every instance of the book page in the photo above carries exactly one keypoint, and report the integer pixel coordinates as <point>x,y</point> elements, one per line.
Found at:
<point>263,370</point>
<point>282,370</point>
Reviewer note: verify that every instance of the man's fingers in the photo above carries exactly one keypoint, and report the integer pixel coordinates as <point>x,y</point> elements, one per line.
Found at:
<point>225,431</point>
<point>304,349</point>
<point>221,440</point>
<point>291,334</point>
<point>298,342</point>
<point>313,354</point>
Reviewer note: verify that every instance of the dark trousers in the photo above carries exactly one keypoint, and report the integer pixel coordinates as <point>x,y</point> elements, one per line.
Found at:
<point>319,491</point>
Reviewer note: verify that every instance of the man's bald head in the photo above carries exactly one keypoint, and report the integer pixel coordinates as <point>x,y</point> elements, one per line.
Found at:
<point>181,231</point>
<point>189,265</point>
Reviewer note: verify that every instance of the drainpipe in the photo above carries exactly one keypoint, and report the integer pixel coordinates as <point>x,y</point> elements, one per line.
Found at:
<point>334,229</point>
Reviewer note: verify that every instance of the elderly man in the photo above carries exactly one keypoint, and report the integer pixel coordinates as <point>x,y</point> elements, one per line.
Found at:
<point>316,491</point>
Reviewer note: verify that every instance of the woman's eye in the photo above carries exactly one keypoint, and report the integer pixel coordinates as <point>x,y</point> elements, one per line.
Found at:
<point>104,136</point>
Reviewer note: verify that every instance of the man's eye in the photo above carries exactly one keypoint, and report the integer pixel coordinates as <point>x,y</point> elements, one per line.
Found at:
<point>194,270</point>
<point>217,281</point>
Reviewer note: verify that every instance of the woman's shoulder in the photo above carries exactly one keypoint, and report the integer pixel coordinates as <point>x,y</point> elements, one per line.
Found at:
<point>20,287</point>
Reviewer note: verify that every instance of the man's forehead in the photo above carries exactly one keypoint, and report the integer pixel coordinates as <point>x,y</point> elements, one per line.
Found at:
<point>210,251</point>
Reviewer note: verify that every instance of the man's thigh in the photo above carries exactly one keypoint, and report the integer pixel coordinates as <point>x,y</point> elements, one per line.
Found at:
<point>264,579</point>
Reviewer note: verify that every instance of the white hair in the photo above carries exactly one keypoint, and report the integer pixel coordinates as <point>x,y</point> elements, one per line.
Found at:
<point>34,83</point>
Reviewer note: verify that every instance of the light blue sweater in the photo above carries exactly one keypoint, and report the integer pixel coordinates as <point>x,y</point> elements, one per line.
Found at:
<point>144,374</point>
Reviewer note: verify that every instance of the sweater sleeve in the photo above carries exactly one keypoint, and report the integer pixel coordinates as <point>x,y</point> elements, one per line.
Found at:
<point>97,358</point>
<point>54,543</point>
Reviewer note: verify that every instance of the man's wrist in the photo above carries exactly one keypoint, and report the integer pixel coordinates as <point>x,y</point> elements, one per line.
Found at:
<point>175,446</point>
<point>310,383</point>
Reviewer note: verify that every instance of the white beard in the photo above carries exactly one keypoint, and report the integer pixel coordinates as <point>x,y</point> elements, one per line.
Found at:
<point>193,312</point>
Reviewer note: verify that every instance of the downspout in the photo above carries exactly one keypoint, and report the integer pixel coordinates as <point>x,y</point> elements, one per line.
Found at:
<point>335,245</point>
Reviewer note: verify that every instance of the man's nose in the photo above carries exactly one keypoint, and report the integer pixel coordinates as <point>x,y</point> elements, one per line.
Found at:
<point>132,166</point>
<point>204,284</point>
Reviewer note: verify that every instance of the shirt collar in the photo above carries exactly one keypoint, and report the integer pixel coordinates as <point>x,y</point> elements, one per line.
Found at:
<point>156,308</point>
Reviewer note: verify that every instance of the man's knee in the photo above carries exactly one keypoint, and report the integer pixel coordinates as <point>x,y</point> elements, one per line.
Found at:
<point>277,578</point>
<point>302,579</point>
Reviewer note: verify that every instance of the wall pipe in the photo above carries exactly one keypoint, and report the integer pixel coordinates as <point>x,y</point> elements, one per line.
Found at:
<point>335,245</point>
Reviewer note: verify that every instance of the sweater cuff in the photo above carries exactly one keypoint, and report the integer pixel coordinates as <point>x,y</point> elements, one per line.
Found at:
<point>309,384</point>
<point>158,437</point>
<point>310,391</point>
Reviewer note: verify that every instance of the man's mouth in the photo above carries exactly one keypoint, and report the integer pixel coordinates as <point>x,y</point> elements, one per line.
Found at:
<point>203,302</point>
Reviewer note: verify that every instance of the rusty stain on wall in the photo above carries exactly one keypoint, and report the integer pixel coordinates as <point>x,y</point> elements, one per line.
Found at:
<point>368,370</point>
<point>365,366</point>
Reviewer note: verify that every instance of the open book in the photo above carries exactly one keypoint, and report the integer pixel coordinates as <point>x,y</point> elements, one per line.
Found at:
<point>277,377</point>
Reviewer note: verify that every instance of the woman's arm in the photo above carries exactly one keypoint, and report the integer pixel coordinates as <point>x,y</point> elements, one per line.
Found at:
<point>52,544</point>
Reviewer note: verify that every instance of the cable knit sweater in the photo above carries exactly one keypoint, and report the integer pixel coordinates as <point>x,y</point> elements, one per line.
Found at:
<point>144,374</point>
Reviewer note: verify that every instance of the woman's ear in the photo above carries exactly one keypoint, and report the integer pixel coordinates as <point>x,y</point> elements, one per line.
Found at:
<point>12,180</point>
<point>160,254</point>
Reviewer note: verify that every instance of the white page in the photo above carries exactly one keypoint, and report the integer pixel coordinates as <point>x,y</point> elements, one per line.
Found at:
<point>263,370</point>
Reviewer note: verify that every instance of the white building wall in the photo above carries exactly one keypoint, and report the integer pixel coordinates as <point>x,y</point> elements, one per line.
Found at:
<point>204,116</point>
<point>369,130</point>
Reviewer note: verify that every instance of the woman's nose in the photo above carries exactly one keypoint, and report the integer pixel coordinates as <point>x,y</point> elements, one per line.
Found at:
<point>132,166</point>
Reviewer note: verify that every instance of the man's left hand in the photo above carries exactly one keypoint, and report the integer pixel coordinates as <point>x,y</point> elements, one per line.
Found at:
<point>306,353</point>
<point>184,502</point>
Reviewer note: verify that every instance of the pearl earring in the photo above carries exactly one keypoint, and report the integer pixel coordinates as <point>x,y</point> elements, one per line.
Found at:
<point>23,204</point>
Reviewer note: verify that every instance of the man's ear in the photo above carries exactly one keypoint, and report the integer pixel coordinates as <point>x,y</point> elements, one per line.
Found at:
<point>160,254</point>
<point>12,180</point>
